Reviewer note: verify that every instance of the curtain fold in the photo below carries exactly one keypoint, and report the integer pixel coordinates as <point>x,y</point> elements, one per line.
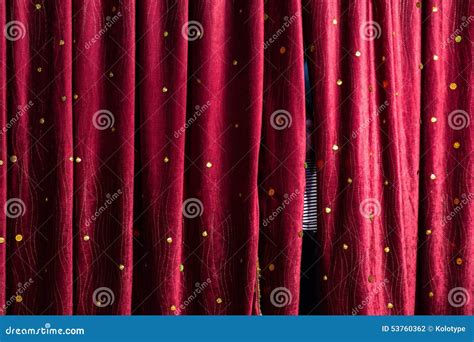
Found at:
<point>160,156</point>
<point>152,156</point>
<point>446,220</point>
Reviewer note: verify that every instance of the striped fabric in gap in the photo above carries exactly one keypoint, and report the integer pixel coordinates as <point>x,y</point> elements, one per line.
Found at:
<point>310,212</point>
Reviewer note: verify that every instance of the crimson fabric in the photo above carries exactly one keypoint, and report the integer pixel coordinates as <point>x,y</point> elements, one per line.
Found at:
<point>391,170</point>
<point>282,156</point>
<point>446,205</point>
<point>153,156</point>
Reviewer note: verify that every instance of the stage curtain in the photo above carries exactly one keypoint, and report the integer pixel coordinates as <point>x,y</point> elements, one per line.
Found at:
<point>152,156</point>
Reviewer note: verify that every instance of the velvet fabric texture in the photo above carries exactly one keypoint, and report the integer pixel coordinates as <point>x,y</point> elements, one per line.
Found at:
<point>152,156</point>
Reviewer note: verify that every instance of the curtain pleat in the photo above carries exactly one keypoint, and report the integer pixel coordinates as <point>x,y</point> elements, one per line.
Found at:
<point>446,182</point>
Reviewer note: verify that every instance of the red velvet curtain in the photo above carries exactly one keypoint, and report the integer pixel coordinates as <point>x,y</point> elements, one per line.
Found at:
<point>152,156</point>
